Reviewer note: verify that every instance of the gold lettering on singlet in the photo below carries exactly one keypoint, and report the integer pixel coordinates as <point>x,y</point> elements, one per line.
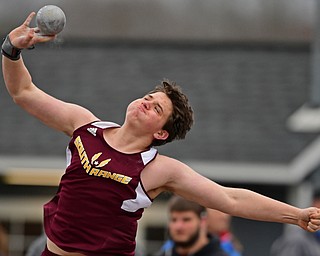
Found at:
<point>86,166</point>
<point>102,173</point>
<point>90,170</point>
<point>126,180</point>
<point>111,175</point>
<point>94,171</point>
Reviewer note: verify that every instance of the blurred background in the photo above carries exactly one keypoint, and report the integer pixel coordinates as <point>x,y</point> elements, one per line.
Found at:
<point>250,68</point>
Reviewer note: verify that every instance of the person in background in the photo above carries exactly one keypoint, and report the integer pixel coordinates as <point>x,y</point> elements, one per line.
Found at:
<point>297,242</point>
<point>37,246</point>
<point>188,231</point>
<point>4,241</point>
<point>219,225</point>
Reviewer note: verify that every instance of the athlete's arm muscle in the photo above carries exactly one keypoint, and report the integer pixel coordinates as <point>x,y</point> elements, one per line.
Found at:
<point>168,174</point>
<point>53,112</point>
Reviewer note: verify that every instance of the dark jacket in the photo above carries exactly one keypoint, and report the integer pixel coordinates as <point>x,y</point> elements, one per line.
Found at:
<point>213,248</point>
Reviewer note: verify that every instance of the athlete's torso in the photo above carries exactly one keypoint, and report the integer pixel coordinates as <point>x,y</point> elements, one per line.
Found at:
<point>100,197</point>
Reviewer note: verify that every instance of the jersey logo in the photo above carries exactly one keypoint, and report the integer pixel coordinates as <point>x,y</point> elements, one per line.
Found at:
<point>92,167</point>
<point>95,162</point>
<point>93,131</point>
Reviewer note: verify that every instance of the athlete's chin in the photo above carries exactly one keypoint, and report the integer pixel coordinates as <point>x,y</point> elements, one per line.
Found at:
<point>134,115</point>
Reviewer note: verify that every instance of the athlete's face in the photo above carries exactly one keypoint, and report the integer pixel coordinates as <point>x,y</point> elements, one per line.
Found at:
<point>152,111</point>
<point>184,228</point>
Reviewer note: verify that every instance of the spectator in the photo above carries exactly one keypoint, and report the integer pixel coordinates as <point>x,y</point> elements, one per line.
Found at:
<point>219,225</point>
<point>298,242</point>
<point>37,246</point>
<point>188,231</point>
<point>3,241</point>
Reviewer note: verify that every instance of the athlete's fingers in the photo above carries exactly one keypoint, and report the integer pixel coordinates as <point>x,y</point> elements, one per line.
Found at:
<point>315,215</point>
<point>28,19</point>
<point>313,225</point>
<point>312,228</point>
<point>36,29</point>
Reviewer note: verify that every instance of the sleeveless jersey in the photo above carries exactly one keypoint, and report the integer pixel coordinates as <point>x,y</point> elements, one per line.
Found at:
<point>100,197</point>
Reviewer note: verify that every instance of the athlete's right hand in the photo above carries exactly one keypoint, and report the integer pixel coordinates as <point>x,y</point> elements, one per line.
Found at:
<point>25,37</point>
<point>309,219</point>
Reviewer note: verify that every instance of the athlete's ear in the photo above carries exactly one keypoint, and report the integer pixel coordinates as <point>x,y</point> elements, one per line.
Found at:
<point>161,135</point>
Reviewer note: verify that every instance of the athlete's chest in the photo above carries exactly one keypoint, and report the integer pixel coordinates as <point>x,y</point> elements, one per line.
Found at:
<point>97,158</point>
<point>90,155</point>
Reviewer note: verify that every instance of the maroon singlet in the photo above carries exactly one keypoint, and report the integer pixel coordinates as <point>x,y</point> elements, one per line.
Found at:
<point>100,196</point>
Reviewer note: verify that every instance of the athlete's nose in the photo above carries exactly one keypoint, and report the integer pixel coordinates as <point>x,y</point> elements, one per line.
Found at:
<point>146,104</point>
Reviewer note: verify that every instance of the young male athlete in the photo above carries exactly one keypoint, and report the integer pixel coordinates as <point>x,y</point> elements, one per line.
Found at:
<point>113,171</point>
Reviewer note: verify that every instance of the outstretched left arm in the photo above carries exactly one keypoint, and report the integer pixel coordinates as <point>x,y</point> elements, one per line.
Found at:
<point>182,180</point>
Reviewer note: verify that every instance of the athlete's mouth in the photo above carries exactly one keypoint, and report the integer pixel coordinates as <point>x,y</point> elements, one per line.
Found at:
<point>142,108</point>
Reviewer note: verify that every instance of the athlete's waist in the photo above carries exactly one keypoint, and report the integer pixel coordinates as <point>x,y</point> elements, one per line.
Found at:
<point>52,247</point>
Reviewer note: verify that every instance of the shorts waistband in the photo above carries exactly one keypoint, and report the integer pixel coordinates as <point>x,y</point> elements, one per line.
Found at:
<point>46,252</point>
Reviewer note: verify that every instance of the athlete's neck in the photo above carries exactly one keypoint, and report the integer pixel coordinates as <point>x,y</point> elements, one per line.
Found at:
<point>126,142</point>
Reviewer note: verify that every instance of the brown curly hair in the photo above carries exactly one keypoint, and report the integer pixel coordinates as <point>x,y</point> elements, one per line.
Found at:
<point>181,119</point>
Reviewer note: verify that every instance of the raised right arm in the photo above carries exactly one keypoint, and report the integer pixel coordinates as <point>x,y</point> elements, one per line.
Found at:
<point>62,116</point>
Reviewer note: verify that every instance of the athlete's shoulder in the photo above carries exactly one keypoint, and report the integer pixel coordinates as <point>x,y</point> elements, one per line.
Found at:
<point>156,175</point>
<point>164,165</point>
<point>104,124</point>
<point>97,124</point>
<point>163,159</point>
